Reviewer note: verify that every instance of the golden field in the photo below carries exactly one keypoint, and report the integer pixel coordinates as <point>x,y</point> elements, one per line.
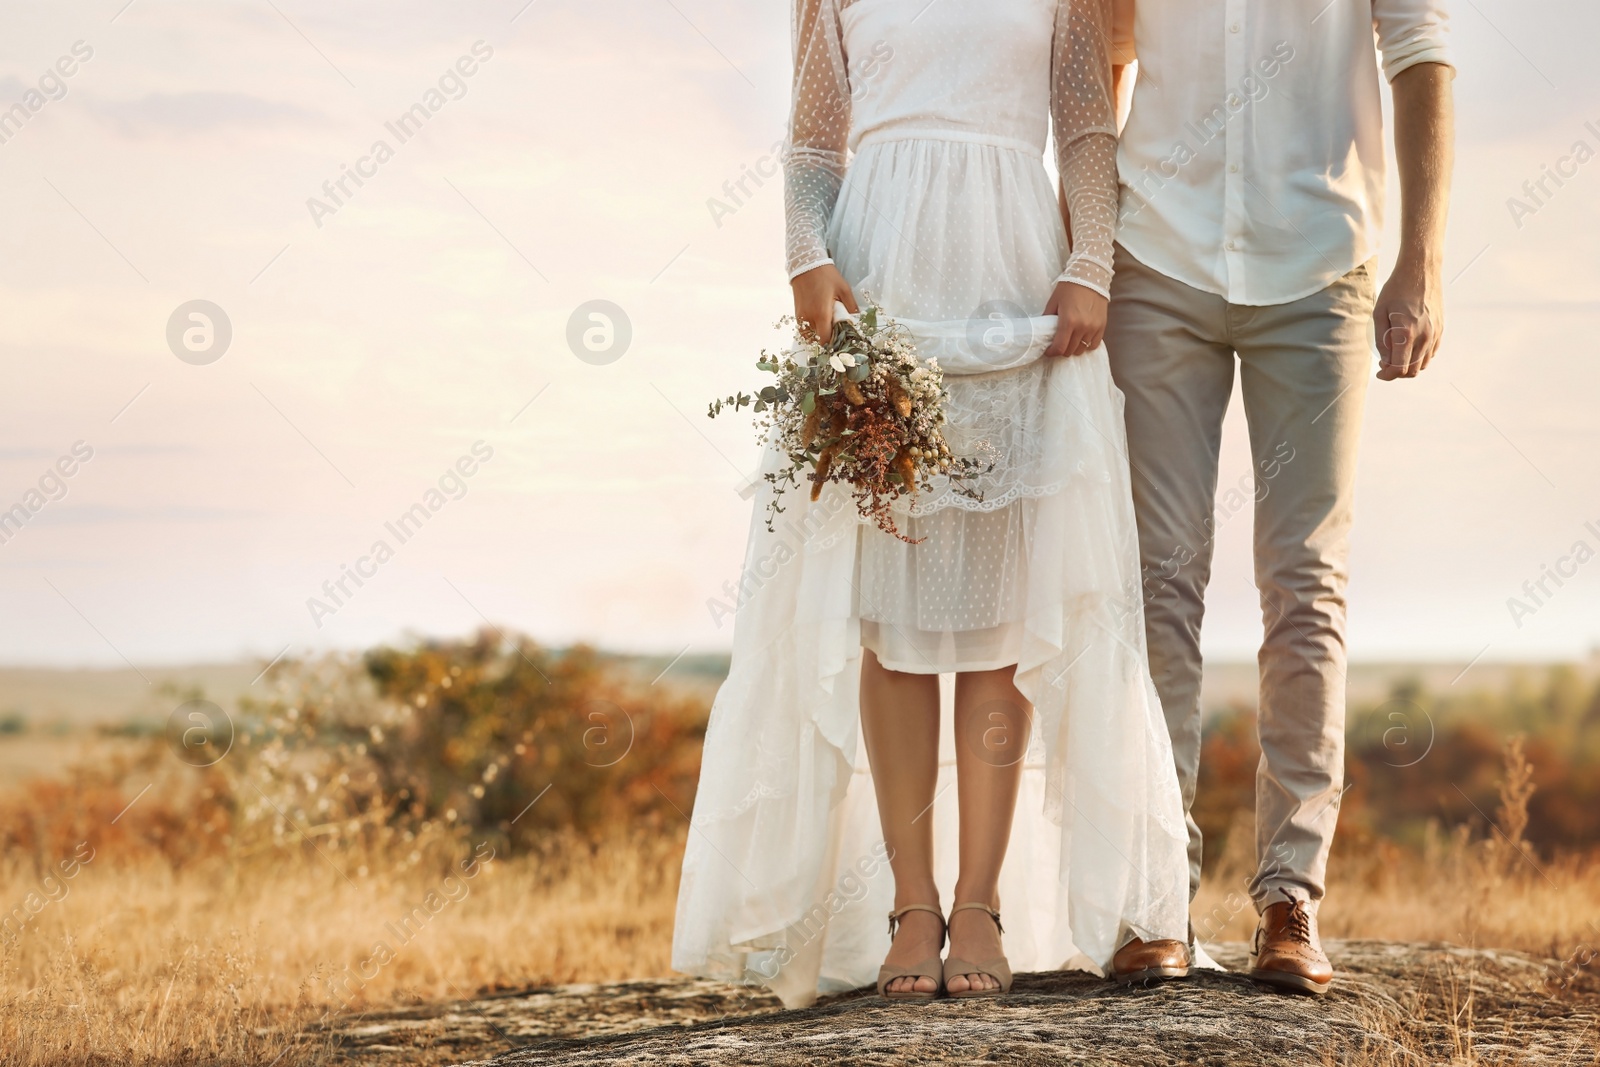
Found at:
<point>162,913</point>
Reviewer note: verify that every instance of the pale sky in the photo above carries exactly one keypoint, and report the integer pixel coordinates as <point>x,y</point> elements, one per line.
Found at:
<point>575,163</point>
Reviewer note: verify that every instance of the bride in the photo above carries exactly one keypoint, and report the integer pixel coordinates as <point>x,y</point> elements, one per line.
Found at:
<point>837,784</point>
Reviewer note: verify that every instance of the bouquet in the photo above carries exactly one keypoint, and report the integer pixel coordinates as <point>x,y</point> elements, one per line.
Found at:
<point>864,409</point>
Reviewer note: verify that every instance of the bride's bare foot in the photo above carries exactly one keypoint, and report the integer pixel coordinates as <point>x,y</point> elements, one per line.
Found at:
<point>920,937</point>
<point>973,936</point>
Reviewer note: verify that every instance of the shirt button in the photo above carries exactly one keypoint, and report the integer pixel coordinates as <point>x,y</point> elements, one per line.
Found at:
<point>1233,246</point>
<point>1233,168</point>
<point>1234,28</point>
<point>1234,101</point>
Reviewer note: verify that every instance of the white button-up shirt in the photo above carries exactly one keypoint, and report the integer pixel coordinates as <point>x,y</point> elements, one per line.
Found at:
<point>1252,162</point>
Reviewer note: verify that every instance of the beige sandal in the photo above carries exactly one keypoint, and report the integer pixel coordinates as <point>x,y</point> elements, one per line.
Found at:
<point>928,968</point>
<point>997,968</point>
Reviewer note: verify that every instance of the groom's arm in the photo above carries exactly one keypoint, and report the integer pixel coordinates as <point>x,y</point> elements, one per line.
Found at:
<point>1123,52</point>
<point>1409,316</point>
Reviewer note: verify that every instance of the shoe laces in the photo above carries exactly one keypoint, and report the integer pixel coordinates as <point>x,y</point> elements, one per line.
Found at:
<point>1297,923</point>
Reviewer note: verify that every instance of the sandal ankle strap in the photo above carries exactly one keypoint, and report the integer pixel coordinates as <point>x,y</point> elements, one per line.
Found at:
<point>894,919</point>
<point>992,912</point>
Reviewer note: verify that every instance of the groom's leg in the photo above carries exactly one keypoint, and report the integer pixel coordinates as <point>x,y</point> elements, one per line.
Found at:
<point>1303,371</point>
<point>1171,357</point>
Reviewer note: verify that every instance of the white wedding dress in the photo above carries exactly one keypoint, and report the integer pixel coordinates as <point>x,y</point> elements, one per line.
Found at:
<point>946,216</point>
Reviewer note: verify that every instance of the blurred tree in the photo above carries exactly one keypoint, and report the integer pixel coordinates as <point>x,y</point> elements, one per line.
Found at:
<point>502,735</point>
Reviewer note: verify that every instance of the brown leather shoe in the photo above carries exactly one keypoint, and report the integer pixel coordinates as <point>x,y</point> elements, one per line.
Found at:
<point>1286,951</point>
<point>1142,961</point>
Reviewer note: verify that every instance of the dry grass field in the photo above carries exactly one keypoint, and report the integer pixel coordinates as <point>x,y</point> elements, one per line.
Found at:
<point>237,963</point>
<point>252,964</point>
<point>160,913</point>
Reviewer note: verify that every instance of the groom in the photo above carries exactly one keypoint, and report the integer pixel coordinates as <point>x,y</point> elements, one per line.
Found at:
<point>1252,172</point>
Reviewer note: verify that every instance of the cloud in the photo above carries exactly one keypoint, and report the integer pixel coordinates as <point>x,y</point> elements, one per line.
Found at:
<point>198,113</point>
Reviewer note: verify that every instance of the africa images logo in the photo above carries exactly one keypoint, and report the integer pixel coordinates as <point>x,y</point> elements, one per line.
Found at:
<point>451,85</point>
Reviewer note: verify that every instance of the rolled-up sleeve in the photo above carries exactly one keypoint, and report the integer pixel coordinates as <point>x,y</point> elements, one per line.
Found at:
<point>1411,32</point>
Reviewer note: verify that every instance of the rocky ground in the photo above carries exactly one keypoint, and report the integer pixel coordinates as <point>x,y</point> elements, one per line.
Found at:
<point>1393,1004</point>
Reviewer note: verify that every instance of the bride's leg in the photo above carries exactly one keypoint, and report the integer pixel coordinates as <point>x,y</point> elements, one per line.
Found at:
<point>900,725</point>
<point>991,722</point>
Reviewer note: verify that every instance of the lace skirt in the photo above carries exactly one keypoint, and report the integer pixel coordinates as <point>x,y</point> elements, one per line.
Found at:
<point>969,235</point>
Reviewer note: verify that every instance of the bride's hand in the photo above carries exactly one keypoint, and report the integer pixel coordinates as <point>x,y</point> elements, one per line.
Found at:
<point>815,292</point>
<point>1082,315</point>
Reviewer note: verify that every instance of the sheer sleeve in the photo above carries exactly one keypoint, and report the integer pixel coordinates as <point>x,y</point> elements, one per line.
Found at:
<point>819,126</point>
<point>1083,115</point>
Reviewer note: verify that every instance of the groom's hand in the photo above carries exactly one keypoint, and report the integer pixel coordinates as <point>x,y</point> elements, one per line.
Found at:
<point>815,292</point>
<point>1081,315</point>
<point>1408,321</point>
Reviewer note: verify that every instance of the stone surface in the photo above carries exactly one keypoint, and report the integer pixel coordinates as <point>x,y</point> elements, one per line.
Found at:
<point>1392,1004</point>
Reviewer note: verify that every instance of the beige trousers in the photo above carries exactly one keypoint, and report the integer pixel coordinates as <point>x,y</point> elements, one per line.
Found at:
<point>1303,369</point>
